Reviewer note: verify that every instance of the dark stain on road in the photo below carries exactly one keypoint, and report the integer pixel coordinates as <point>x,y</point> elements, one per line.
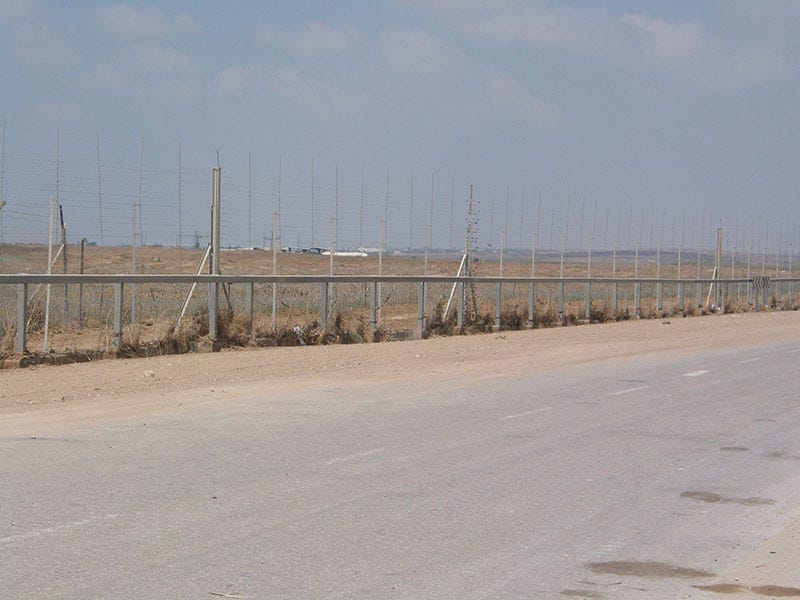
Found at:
<point>735,448</point>
<point>783,455</point>
<point>646,569</point>
<point>712,498</point>
<point>763,420</point>
<point>773,591</point>
<point>581,594</point>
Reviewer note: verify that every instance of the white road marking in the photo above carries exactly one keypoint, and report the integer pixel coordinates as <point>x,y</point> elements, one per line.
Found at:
<point>695,373</point>
<point>628,390</point>
<point>748,360</point>
<point>526,413</point>
<point>339,459</point>
<point>18,537</point>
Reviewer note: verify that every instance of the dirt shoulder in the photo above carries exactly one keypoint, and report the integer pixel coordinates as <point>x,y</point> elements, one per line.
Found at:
<point>81,393</point>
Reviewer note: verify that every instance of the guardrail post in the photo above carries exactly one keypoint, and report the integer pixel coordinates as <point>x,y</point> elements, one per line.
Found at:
<point>118,298</point>
<point>373,306</point>
<point>532,305</point>
<point>323,309</point>
<point>561,302</point>
<point>637,299</point>
<point>614,297</point>
<point>460,321</point>
<point>659,296</point>
<point>680,297</point>
<point>588,302</point>
<point>421,308</point>
<point>249,306</point>
<point>213,306</point>
<point>22,318</point>
<point>498,305</point>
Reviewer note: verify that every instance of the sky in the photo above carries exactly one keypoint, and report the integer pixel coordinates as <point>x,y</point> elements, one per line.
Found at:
<point>592,121</point>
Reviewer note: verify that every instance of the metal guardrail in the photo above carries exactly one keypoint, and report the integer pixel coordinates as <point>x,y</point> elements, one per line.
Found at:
<point>720,287</point>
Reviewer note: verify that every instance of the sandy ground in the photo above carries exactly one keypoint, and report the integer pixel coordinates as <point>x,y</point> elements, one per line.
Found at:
<point>59,396</point>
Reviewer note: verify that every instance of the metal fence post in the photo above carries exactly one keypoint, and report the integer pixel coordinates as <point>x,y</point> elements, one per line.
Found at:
<point>213,307</point>
<point>22,318</point>
<point>722,291</point>
<point>699,290</point>
<point>421,308</point>
<point>637,299</point>
<point>323,309</point>
<point>118,298</point>
<point>249,306</point>
<point>498,306</point>
<point>588,302</point>
<point>460,321</point>
<point>561,302</point>
<point>373,307</point>
<point>614,297</point>
<point>680,297</point>
<point>532,306</point>
<point>659,296</point>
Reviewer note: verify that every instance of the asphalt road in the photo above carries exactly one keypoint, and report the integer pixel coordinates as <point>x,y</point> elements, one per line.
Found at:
<point>634,479</point>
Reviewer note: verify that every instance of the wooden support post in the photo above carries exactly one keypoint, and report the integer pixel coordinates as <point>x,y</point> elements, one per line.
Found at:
<point>22,318</point>
<point>118,291</point>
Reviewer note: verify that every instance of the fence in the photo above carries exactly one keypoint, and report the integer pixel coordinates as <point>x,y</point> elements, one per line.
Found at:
<point>564,299</point>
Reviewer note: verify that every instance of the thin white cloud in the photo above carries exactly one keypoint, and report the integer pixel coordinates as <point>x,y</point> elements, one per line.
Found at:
<point>668,41</point>
<point>315,39</point>
<point>318,99</point>
<point>19,10</point>
<point>509,96</point>
<point>36,44</point>
<point>419,53</point>
<point>134,21</point>
<point>58,112</point>
<point>235,80</point>
<point>160,58</point>
<point>187,23</point>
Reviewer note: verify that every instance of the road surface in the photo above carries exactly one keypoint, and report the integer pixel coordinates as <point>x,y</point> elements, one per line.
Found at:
<point>636,478</point>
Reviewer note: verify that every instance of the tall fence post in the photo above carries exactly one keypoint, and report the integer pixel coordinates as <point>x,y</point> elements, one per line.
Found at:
<point>614,297</point>
<point>561,302</point>
<point>118,297</point>
<point>722,291</point>
<point>680,297</point>
<point>421,308</point>
<point>498,306</point>
<point>532,305</point>
<point>323,309</point>
<point>659,296</point>
<point>637,299</point>
<point>587,300</point>
<point>249,292</point>
<point>373,306</point>
<point>213,307</point>
<point>22,318</point>
<point>699,290</point>
<point>460,321</point>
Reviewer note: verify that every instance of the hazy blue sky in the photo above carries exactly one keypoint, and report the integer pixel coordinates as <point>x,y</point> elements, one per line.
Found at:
<point>675,109</point>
